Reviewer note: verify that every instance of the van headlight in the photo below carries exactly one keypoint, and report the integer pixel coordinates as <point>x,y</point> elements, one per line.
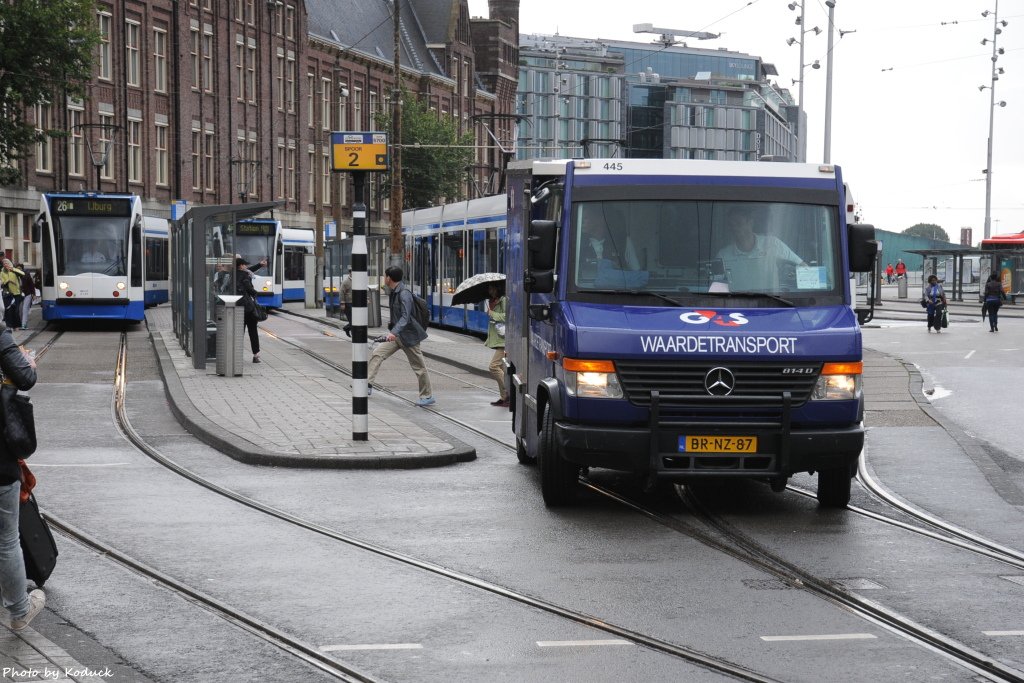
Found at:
<point>838,382</point>
<point>591,378</point>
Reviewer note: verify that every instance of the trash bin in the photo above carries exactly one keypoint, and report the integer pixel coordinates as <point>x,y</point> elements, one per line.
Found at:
<point>229,318</point>
<point>901,288</point>
<point>373,307</point>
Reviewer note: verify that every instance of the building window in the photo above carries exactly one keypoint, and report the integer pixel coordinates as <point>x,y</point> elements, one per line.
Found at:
<point>311,91</point>
<point>291,173</point>
<point>250,12</point>
<point>310,178</point>
<point>207,61</point>
<point>208,155</point>
<point>357,108</point>
<point>194,57</point>
<point>278,20</point>
<point>159,60</point>
<point>279,75</point>
<point>373,107</point>
<point>290,78</point>
<point>342,107</point>
<point>325,103</point>
<point>105,57</point>
<point>250,73</point>
<point>240,68</point>
<point>76,145</point>
<point>289,23</point>
<point>44,148</point>
<point>106,142</point>
<point>131,53</point>
<point>134,151</point>
<point>325,167</point>
<point>280,170</point>
<point>161,158</point>
<point>197,168</point>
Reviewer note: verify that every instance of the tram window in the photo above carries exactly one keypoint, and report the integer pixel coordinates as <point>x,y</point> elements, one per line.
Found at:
<point>479,263</point>
<point>156,259</point>
<point>452,262</point>
<point>294,263</point>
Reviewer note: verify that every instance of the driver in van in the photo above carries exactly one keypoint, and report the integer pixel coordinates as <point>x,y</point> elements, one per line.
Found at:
<point>752,260</point>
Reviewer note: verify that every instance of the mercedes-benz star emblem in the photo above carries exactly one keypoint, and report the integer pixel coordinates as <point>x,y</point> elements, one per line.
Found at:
<point>719,382</point>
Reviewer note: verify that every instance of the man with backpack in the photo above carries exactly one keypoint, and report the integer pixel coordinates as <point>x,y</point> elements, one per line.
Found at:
<point>406,332</point>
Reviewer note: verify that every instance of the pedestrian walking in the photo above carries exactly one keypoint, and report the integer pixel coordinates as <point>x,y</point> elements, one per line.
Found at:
<point>244,287</point>
<point>346,301</point>
<point>994,298</point>
<point>935,298</point>
<point>28,294</point>
<point>18,369</point>
<point>890,272</point>
<point>404,332</point>
<point>496,305</point>
<point>10,283</point>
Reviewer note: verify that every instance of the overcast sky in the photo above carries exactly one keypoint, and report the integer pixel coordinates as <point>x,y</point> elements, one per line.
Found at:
<point>909,125</point>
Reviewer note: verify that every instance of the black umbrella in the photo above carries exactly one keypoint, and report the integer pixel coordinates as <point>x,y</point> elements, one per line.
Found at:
<point>474,289</point>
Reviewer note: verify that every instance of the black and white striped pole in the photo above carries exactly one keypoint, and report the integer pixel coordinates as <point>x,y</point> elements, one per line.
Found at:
<point>360,281</point>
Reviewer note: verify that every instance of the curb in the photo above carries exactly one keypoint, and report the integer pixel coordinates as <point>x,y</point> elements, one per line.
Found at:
<point>238,448</point>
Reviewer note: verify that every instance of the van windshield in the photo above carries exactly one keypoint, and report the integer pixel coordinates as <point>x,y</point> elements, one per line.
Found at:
<point>682,247</point>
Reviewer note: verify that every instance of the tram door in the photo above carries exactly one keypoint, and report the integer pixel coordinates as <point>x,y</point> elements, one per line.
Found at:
<point>426,273</point>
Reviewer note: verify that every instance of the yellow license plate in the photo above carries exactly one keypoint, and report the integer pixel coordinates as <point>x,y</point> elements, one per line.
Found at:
<point>717,444</point>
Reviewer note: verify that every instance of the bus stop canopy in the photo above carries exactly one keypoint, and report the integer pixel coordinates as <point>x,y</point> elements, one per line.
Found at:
<point>958,254</point>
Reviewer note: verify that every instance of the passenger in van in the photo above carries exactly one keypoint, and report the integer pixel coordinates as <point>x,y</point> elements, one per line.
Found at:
<point>606,258</point>
<point>752,261</point>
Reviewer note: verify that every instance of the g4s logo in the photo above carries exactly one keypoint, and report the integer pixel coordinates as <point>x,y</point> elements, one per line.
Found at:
<point>725,320</point>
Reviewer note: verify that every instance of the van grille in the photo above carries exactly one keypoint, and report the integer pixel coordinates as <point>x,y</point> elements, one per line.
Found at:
<point>681,383</point>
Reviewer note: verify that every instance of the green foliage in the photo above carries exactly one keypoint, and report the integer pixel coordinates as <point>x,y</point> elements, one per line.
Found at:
<point>437,169</point>
<point>47,51</point>
<point>929,230</point>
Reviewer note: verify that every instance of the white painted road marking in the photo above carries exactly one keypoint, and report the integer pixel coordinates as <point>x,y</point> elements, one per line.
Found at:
<point>834,636</point>
<point>580,643</point>
<point>969,355</point>
<point>1003,633</point>
<point>377,646</point>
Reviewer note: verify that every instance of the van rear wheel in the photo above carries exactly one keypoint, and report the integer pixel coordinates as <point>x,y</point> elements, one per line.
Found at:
<point>834,487</point>
<point>558,477</point>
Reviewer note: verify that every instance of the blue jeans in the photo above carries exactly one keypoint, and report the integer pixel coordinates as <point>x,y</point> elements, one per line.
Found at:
<point>12,562</point>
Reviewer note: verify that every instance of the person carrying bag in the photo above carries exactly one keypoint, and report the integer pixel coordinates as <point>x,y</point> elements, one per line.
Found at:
<point>935,296</point>
<point>19,369</point>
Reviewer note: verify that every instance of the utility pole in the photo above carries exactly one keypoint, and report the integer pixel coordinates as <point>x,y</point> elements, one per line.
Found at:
<point>397,199</point>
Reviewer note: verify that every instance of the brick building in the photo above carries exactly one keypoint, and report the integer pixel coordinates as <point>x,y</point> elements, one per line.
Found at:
<point>223,101</point>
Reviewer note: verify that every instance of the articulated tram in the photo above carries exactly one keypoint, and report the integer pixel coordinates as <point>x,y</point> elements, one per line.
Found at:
<point>95,252</point>
<point>258,239</point>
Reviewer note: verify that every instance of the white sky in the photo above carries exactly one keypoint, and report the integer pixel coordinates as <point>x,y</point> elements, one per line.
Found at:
<point>909,125</point>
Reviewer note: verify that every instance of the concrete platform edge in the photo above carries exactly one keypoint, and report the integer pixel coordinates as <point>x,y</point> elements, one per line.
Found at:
<point>204,429</point>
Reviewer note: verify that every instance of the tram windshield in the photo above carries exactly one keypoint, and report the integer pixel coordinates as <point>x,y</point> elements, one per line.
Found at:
<point>254,241</point>
<point>90,244</point>
<point>692,251</point>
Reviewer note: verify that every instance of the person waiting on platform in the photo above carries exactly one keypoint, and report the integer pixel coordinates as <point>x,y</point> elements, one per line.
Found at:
<point>752,261</point>
<point>244,288</point>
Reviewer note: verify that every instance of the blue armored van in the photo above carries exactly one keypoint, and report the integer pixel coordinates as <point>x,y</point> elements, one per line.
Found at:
<point>684,319</point>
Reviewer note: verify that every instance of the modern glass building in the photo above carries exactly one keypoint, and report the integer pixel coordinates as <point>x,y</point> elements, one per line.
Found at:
<point>674,102</point>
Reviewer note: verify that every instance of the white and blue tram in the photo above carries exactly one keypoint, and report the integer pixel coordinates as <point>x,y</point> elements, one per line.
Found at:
<point>158,261</point>
<point>445,245</point>
<point>93,256</point>
<point>257,239</point>
<point>298,242</point>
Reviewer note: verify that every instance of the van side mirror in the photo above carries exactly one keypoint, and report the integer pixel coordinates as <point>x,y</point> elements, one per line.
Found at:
<point>862,246</point>
<point>540,257</point>
<point>37,229</point>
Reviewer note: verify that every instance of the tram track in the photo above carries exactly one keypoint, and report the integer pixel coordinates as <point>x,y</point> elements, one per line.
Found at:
<point>749,551</point>
<point>307,652</point>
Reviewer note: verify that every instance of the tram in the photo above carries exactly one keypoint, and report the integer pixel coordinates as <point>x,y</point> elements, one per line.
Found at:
<point>258,239</point>
<point>446,244</point>
<point>94,257</point>
<point>297,242</point>
<point>158,261</point>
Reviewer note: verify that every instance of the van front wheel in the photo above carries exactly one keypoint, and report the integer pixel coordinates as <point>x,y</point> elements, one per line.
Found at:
<point>834,487</point>
<point>558,477</point>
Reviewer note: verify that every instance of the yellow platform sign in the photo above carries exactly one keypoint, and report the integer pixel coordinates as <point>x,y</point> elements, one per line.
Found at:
<point>359,151</point>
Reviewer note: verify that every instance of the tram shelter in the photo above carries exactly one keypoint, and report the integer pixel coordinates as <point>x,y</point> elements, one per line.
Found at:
<point>202,267</point>
<point>1008,262</point>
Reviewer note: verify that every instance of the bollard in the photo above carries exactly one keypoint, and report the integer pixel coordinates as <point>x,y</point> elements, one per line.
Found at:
<point>229,336</point>
<point>901,288</point>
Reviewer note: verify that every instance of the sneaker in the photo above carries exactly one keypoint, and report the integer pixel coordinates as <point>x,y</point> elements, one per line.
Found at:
<point>256,359</point>
<point>424,402</point>
<point>501,403</point>
<point>37,599</point>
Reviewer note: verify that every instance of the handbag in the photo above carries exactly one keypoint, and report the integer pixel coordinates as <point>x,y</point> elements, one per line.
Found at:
<point>500,329</point>
<point>18,421</point>
<point>924,302</point>
<point>945,318</point>
<point>259,312</point>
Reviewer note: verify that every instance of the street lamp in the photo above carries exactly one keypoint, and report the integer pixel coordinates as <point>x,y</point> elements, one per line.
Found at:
<point>802,4</point>
<point>997,28</point>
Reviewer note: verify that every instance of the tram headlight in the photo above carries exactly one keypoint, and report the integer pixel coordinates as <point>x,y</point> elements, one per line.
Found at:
<point>266,288</point>
<point>838,382</point>
<point>63,285</point>
<point>591,378</point>
<point>121,286</point>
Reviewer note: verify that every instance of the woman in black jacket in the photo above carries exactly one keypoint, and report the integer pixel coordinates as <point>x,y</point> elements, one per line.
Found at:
<point>243,287</point>
<point>18,369</point>
<point>994,297</point>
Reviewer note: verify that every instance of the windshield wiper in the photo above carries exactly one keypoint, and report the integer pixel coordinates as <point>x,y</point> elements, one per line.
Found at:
<point>756,295</point>
<point>633,292</point>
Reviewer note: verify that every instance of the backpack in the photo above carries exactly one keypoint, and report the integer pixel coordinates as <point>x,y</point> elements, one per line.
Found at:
<point>421,312</point>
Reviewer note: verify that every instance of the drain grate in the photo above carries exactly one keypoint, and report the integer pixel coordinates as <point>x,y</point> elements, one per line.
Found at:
<point>767,584</point>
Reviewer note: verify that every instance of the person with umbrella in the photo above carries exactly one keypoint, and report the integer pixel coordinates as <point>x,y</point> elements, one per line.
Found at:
<point>496,305</point>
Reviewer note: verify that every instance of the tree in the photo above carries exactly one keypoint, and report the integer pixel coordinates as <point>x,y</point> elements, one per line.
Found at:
<point>929,230</point>
<point>46,53</point>
<point>436,169</point>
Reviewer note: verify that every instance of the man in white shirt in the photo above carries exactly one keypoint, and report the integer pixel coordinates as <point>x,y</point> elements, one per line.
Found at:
<point>752,261</point>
